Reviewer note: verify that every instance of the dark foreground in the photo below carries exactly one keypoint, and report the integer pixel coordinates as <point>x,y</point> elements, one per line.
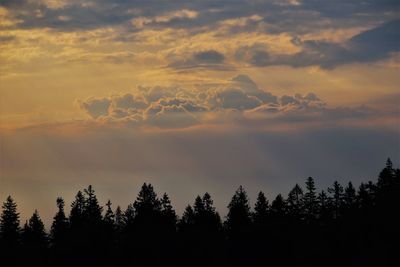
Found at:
<point>341,226</point>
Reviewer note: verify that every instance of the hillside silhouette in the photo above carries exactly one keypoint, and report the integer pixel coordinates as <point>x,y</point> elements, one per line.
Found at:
<point>339,226</point>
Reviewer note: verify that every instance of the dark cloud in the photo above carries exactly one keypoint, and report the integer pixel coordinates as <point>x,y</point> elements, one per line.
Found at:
<point>210,59</point>
<point>96,107</point>
<point>281,16</point>
<point>7,38</point>
<point>233,98</point>
<point>368,46</point>
<point>210,56</point>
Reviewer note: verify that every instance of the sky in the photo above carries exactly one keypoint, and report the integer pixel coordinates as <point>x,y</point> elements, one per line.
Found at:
<point>194,96</point>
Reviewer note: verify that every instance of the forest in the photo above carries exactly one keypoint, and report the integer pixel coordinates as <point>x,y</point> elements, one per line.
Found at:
<point>339,226</point>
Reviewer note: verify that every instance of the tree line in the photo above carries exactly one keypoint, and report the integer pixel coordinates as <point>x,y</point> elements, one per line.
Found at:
<point>340,226</point>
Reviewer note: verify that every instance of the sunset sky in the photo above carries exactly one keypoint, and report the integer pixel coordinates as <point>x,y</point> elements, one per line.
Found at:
<point>194,96</point>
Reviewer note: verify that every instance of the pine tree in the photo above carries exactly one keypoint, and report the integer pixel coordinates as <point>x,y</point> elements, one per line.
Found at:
<point>295,202</point>
<point>187,219</point>
<point>310,199</point>
<point>365,196</point>
<point>129,215</point>
<point>208,203</point>
<point>239,216</point>
<point>119,219</point>
<point>34,235</point>
<point>109,217</point>
<point>278,207</point>
<point>147,205</point>
<point>9,224</point>
<point>211,218</point>
<point>198,206</point>
<point>336,198</point>
<point>324,213</point>
<point>92,208</point>
<point>261,209</point>
<point>386,177</point>
<point>349,197</point>
<point>77,213</point>
<point>60,224</point>
<point>168,215</point>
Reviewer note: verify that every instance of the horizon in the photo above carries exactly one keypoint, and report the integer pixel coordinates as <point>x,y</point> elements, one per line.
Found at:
<point>194,96</point>
<point>220,209</point>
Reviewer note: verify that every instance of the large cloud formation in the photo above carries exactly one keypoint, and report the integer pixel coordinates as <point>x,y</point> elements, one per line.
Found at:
<point>376,37</point>
<point>368,46</point>
<point>174,107</point>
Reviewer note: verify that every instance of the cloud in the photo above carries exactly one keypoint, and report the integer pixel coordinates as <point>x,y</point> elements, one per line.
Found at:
<point>127,101</point>
<point>238,100</point>
<point>369,46</point>
<point>233,98</point>
<point>203,34</point>
<point>209,59</point>
<point>169,116</point>
<point>96,107</point>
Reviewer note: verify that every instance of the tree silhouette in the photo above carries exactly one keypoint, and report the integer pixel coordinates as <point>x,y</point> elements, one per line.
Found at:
<point>9,232</point>
<point>34,235</point>
<point>261,209</point>
<point>77,213</point>
<point>346,226</point>
<point>168,215</point>
<point>147,204</point>
<point>60,225</point>
<point>59,235</point>
<point>92,210</point>
<point>278,207</point>
<point>238,227</point>
<point>336,198</point>
<point>350,199</point>
<point>386,176</point>
<point>9,224</point>
<point>109,217</point>
<point>295,202</point>
<point>34,241</point>
<point>239,216</point>
<point>324,210</point>
<point>310,199</point>
<point>119,219</point>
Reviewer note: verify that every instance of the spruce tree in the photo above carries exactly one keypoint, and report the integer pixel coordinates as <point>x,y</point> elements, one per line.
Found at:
<point>324,213</point>
<point>60,224</point>
<point>278,207</point>
<point>239,216</point>
<point>92,209</point>
<point>187,219</point>
<point>198,206</point>
<point>109,217</point>
<point>336,198</point>
<point>310,199</point>
<point>147,205</point>
<point>168,215</point>
<point>119,219</point>
<point>349,197</point>
<point>295,202</point>
<point>9,224</point>
<point>77,214</point>
<point>34,235</point>
<point>261,209</point>
<point>211,218</point>
<point>129,216</point>
<point>386,176</point>
<point>208,203</point>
